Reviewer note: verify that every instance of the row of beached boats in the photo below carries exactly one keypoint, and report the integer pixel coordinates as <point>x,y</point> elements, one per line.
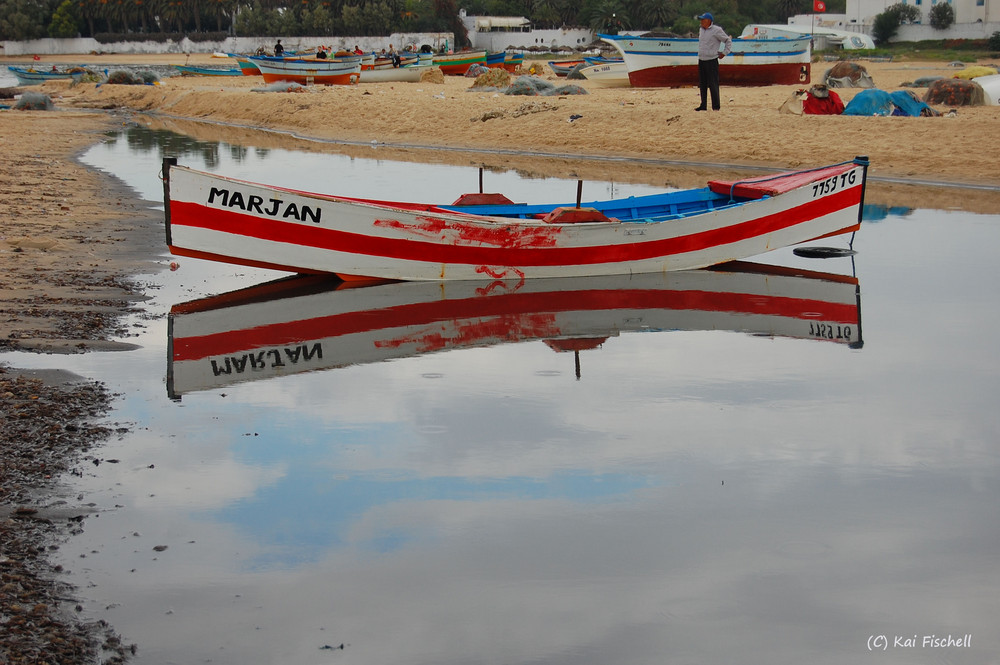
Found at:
<point>342,68</point>
<point>645,61</point>
<point>672,62</point>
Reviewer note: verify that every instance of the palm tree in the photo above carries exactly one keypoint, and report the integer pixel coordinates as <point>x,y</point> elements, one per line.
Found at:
<point>610,17</point>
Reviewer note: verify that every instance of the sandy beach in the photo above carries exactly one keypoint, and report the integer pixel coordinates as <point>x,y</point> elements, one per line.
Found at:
<point>57,216</point>
<point>70,237</point>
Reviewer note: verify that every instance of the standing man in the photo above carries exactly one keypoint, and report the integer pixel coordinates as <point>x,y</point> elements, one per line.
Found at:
<point>713,45</point>
<point>279,50</point>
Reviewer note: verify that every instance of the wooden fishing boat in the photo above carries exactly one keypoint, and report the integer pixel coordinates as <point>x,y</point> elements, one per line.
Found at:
<point>308,323</point>
<point>673,63</point>
<point>495,60</point>
<point>309,72</point>
<point>511,61</point>
<point>190,70</point>
<point>608,75</point>
<point>457,64</point>
<point>31,76</point>
<point>213,217</point>
<point>564,67</point>
<point>408,74</point>
<point>246,65</point>
<point>406,59</point>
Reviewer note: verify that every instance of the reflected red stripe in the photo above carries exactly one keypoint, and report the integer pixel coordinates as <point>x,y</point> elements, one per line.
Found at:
<point>510,305</point>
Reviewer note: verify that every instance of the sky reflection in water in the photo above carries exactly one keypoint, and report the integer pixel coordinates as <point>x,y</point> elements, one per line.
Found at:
<point>694,496</point>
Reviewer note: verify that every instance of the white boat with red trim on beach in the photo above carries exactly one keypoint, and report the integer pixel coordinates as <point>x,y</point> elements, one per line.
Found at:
<point>488,237</point>
<point>672,62</point>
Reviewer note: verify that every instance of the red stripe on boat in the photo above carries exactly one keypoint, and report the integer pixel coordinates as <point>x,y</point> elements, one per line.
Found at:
<point>505,238</point>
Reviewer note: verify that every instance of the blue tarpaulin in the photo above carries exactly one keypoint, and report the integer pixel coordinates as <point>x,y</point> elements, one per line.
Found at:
<point>880,102</point>
<point>870,102</point>
<point>907,104</point>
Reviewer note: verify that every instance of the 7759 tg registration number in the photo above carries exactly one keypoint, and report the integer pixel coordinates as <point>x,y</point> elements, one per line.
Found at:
<point>832,184</point>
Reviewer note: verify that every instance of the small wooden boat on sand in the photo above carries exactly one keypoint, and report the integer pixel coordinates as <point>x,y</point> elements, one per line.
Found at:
<point>408,74</point>
<point>457,64</point>
<point>564,67</point>
<point>246,65</point>
<point>607,74</point>
<point>31,76</point>
<point>309,72</point>
<point>310,323</point>
<point>190,70</point>
<point>213,217</point>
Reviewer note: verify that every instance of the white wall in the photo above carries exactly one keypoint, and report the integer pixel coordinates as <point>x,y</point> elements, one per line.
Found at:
<point>84,46</point>
<point>861,14</point>
<point>498,41</point>
<point>966,11</point>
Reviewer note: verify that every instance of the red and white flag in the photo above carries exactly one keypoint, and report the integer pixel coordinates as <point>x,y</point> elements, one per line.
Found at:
<point>819,6</point>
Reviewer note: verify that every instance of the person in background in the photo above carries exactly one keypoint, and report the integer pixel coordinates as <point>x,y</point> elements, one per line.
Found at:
<point>713,45</point>
<point>279,50</point>
<point>394,56</point>
<point>357,50</point>
<point>321,53</point>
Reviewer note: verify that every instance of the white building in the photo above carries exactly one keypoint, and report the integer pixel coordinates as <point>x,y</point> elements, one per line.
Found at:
<point>966,11</point>
<point>974,19</point>
<point>497,33</point>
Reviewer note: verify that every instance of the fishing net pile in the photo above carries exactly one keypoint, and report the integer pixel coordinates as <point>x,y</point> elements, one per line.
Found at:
<point>848,75</point>
<point>532,85</point>
<point>476,71</point>
<point>955,92</point>
<point>34,101</point>
<point>492,78</point>
<point>432,75</point>
<point>123,77</point>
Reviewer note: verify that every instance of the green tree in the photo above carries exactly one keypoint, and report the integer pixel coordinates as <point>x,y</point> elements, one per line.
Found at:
<point>63,24</point>
<point>23,19</point>
<point>609,17</point>
<point>942,16</point>
<point>654,14</point>
<point>446,15</point>
<point>886,24</point>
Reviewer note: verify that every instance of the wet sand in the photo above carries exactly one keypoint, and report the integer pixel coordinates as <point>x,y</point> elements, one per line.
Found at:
<point>629,123</point>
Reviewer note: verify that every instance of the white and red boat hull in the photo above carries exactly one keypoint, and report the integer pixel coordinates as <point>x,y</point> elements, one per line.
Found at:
<point>673,63</point>
<point>309,72</point>
<point>213,217</point>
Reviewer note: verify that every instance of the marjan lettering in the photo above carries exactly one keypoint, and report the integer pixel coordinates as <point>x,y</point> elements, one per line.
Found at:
<point>270,208</point>
<point>262,360</point>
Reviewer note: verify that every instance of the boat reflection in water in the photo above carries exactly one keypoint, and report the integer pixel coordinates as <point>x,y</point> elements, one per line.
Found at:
<point>308,323</point>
